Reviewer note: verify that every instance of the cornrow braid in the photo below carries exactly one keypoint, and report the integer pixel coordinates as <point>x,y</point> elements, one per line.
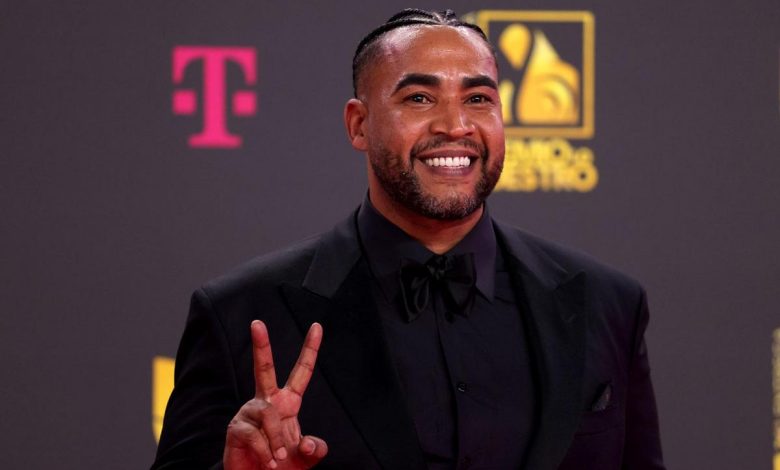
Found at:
<point>367,49</point>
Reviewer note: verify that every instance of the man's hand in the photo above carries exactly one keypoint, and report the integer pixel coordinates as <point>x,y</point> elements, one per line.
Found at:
<point>265,433</point>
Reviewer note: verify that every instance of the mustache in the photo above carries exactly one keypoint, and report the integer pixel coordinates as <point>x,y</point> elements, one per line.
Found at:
<point>443,141</point>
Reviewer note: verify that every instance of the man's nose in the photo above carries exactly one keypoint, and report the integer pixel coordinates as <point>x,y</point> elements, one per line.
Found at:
<point>452,120</point>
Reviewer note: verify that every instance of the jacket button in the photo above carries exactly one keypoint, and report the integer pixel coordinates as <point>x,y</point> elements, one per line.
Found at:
<point>462,387</point>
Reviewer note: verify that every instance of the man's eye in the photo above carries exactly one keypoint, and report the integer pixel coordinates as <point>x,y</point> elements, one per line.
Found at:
<point>418,98</point>
<point>478,99</point>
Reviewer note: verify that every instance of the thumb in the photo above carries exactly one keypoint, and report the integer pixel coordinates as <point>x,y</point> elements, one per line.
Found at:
<point>311,450</point>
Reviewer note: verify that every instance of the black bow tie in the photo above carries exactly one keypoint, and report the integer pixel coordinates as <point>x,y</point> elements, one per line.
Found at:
<point>452,276</point>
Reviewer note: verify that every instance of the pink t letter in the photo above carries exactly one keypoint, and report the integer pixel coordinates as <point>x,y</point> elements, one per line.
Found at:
<point>215,133</point>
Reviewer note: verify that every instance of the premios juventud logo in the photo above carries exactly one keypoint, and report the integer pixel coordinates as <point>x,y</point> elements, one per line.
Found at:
<point>546,81</point>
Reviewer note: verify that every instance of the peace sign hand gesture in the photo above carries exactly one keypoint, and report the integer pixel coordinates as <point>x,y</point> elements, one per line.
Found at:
<point>265,433</point>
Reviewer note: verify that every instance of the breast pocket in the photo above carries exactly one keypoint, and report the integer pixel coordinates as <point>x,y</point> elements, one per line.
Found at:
<point>594,422</point>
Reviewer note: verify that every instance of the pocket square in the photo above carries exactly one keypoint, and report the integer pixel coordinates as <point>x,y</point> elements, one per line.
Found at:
<point>603,399</point>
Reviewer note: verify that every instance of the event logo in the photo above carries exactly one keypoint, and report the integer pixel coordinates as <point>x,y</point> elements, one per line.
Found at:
<point>546,83</point>
<point>776,395</point>
<point>214,107</point>
<point>162,386</point>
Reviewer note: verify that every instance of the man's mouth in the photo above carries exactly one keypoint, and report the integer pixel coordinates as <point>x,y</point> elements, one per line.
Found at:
<point>446,158</point>
<point>448,162</point>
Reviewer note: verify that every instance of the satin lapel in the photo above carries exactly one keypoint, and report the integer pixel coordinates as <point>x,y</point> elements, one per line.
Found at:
<point>354,357</point>
<point>557,330</point>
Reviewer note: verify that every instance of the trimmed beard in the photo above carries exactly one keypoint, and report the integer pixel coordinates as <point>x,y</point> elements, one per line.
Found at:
<point>404,187</point>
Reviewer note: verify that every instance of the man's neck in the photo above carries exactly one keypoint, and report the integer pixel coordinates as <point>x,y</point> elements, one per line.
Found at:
<point>439,236</point>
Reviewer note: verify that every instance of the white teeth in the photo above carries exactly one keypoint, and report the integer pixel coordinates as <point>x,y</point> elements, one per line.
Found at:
<point>450,162</point>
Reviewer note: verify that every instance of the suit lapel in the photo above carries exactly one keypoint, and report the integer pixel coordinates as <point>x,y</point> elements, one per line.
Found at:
<point>557,326</point>
<point>354,357</point>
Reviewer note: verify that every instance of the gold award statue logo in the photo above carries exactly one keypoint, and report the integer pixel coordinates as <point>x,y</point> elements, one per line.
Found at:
<point>546,83</point>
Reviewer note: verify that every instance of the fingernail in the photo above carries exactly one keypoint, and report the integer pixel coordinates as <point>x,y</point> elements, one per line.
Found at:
<point>281,453</point>
<point>308,447</point>
<point>272,463</point>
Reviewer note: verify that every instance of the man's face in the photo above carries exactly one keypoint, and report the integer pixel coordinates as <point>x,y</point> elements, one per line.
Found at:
<point>433,130</point>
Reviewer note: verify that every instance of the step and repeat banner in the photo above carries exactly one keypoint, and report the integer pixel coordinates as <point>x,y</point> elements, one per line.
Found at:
<point>147,147</point>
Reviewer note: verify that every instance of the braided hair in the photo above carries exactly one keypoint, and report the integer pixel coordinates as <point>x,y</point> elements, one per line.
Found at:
<point>369,48</point>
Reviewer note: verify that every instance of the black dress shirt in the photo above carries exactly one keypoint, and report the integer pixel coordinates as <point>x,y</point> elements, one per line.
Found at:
<point>467,381</point>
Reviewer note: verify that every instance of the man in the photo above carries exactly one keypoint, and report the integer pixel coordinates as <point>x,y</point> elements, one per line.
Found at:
<point>435,336</point>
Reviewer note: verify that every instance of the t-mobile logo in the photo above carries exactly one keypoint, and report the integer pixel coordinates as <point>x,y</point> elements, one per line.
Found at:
<point>215,133</point>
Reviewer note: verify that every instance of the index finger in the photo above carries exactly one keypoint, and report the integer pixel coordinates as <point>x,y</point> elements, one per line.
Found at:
<point>304,367</point>
<point>265,375</point>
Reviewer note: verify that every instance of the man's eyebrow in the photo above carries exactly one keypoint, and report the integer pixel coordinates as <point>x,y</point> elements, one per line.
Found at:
<point>417,79</point>
<point>479,80</point>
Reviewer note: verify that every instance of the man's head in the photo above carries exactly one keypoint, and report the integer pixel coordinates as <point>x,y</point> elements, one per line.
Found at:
<point>427,114</point>
<point>369,46</point>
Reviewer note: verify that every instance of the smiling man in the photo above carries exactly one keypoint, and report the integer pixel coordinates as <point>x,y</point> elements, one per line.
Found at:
<point>435,337</point>
<point>428,117</point>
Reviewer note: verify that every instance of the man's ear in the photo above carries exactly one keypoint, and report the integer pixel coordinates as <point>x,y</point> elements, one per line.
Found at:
<point>355,113</point>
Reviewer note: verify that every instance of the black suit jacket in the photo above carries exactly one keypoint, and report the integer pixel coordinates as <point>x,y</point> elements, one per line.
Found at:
<point>586,326</point>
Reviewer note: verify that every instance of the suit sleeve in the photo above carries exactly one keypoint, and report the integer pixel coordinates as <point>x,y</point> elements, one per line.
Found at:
<point>204,398</point>
<point>643,443</point>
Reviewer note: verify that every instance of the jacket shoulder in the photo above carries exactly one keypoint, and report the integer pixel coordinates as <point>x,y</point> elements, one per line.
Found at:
<point>288,264</point>
<point>574,261</point>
